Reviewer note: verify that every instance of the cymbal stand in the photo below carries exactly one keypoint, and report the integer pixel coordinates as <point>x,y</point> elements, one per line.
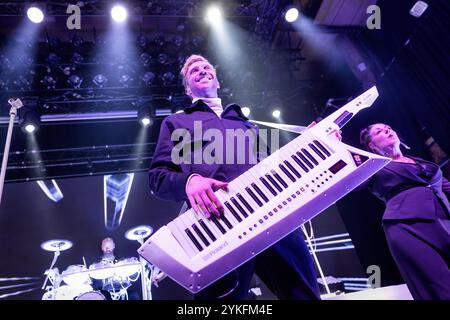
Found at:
<point>146,285</point>
<point>54,281</point>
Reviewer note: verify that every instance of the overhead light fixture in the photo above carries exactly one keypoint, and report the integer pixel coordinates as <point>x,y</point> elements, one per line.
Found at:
<point>148,78</point>
<point>276,113</point>
<point>125,80</point>
<point>167,78</point>
<point>119,13</point>
<point>35,14</point>
<point>100,80</point>
<point>291,15</point>
<point>29,119</point>
<point>49,82</point>
<point>213,15</point>
<point>246,111</point>
<point>141,41</point>
<point>30,128</point>
<point>75,81</point>
<point>146,113</point>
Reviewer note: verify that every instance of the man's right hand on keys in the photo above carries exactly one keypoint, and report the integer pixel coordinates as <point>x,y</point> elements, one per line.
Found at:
<point>200,192</point>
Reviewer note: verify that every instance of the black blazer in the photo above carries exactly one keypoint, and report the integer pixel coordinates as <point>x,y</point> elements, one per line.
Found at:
<point>408,196</point>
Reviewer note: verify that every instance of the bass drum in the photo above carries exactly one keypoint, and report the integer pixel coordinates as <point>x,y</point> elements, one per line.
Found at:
<point>91,295</point>
<point>67,292</point>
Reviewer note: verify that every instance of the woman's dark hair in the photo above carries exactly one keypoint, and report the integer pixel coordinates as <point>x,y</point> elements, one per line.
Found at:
<point>364,138</point>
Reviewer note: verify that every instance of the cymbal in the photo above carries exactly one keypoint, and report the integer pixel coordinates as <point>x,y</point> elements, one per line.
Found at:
<point>56,245</point>
<point>139,232</point>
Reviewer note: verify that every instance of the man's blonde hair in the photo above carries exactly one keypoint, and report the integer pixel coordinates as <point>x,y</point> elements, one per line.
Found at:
<point>189,61</point>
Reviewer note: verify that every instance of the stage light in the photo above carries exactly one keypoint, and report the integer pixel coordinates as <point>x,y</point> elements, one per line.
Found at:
<point>146,113</point>
<point>145,121</point>
<point>141,41</point>
<point>163,58</point>
<point>214,15</point>
<point>23,83</point>
<point>49,82</point>
<point>77,58</point>
<point>77,41</point>
<point>276,113</point>
<point>168,78</point>
<point>291,15</point>
<point>145,59</point>
<point>246,111</point>
<point>53,58</point>
<point>178,40</point>
<point>75,81</point>
<point>100,80</point>
<point>197,40</point>
<point>125,80</point>
<point>119,13</point>
<point>148,78</point>
<point>159,40</point>
<point>29,118</point>
<point>35,15</point>
<point>30,128</point>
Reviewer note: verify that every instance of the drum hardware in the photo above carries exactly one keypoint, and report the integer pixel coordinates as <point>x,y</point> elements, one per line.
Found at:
<point>139,234</point>
<point>116,277</point>
<point>75,282</point>
<point>157,276</point>
<point>55,246</point>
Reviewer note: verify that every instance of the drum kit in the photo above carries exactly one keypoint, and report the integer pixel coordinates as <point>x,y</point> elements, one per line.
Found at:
<point>77,281</point>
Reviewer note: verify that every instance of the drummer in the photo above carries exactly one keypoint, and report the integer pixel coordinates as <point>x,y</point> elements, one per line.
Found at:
<point>108,247</point>
<point>108,257</point>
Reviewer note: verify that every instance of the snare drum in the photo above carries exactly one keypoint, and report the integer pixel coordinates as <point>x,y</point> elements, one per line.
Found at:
<point>91,295</point>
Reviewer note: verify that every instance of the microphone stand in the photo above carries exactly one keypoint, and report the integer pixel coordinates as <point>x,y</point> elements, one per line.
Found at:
<point>15,104</point>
